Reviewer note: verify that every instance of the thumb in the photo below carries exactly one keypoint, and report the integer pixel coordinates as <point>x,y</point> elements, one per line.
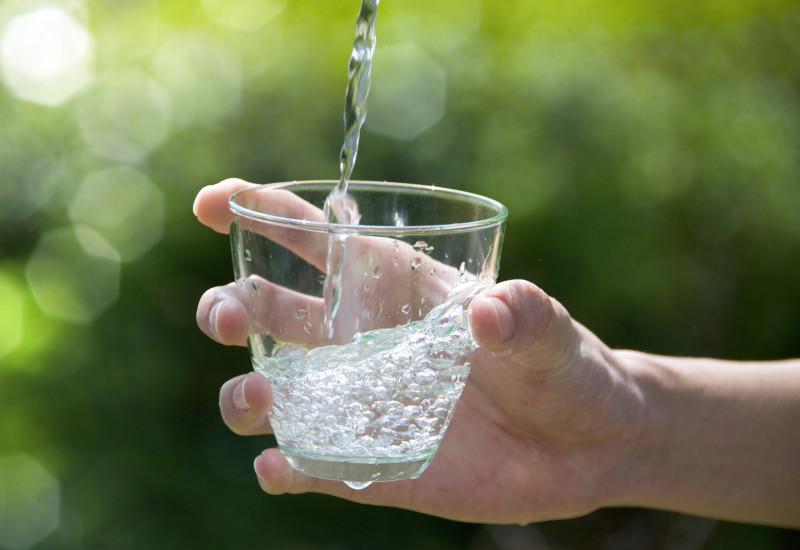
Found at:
<point>517,320</point>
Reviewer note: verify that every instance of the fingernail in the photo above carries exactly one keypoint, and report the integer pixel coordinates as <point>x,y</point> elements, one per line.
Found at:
<point>260,479</point>
<point>504,317</point>
<point>239,400</point>
<point>213,318</point>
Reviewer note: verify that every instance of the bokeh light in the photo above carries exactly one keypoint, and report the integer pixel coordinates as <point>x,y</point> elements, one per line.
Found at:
<point>203,78</point>
<point>29,502</point>
<point>125,116</point>
<point>409,92</point>
<point>243,15</point>
<point>73,274</point>
<point>30,173</point>
<point>12,320</point>
<point>124,206</point>
<point>46,55</point>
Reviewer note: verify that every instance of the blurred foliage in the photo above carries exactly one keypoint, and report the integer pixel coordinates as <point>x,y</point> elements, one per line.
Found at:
<point>648,151</point>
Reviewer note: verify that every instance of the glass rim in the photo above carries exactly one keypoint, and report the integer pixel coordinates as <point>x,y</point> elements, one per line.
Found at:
<point>497,219</point>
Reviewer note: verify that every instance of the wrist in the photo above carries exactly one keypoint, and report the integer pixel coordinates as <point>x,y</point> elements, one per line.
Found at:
<point>627,479</point>
<point>642,463</point>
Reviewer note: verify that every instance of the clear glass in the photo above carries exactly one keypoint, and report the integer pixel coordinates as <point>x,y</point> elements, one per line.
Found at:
<point>362,329</point>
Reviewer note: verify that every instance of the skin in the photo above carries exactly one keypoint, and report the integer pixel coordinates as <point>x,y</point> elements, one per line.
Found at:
<point>554,424</point>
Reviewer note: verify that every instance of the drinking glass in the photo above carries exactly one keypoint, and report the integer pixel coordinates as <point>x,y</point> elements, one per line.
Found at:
<point>362,328</point>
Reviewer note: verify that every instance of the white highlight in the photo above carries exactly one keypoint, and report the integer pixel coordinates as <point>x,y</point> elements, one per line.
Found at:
<point>46,56</point>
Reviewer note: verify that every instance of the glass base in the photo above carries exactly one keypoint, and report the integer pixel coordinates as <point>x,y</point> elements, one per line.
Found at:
<point>357,469</point>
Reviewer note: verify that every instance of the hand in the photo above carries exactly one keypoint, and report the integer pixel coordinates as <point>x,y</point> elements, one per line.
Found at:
<point>542,431</point>
<point>383,281</point>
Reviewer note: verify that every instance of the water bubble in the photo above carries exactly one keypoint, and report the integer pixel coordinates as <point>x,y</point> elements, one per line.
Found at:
<point>426,422</point>
<point>406,308</point>
<point>425,377</point>
<point>248,255</point>
<point>301,314</point>
<point>376,274</point>
<point>415,263</point>
<point>307,327</point>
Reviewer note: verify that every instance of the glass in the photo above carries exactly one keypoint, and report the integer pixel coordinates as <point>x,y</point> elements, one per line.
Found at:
<point>362,329</point>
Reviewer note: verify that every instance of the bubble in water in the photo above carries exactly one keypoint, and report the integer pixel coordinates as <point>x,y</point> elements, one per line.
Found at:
<point>415,263</point>
<point>387,394</point>
<point>426,376</point>
<point>358,485</point>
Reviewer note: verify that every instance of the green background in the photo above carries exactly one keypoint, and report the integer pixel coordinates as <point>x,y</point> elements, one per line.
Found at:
<point>649,153</point>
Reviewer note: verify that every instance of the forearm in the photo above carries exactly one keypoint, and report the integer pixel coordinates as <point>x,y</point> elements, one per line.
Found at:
<point>719,439</point>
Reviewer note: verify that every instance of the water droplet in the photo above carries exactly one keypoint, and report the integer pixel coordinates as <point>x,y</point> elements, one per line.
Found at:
<point>420,245</point>
<point>256,288</point>
<point>248,256</point>
<point>307,327</point>
<point>406,308</point>
<point>376,274</point>
<point>301,314</point>
<point>358,485</point>
<point>463,276</point>
<point>415,263</point>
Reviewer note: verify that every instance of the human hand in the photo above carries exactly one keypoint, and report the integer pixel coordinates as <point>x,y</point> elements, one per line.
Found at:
<point>541,431</point>
<point>382,281</point>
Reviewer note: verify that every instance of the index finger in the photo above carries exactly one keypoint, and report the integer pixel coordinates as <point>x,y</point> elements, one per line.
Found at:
<point>211,204</point>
